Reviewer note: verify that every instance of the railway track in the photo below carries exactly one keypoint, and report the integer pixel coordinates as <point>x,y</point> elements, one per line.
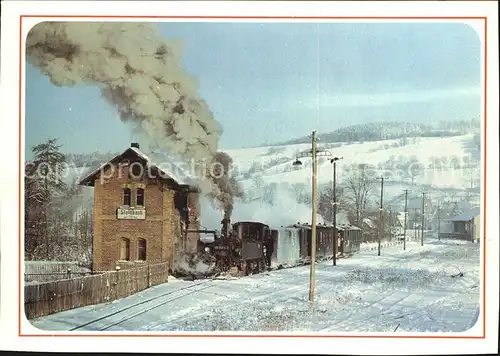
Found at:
<point>134,310</point>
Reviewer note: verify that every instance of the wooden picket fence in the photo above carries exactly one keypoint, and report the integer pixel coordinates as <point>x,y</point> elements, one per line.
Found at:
<point>53,297</point>
<point>48,271</point>
<point>385,244</point>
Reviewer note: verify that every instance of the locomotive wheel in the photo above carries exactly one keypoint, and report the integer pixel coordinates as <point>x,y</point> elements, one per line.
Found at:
<point>262,266</point>
<point>257,267</point>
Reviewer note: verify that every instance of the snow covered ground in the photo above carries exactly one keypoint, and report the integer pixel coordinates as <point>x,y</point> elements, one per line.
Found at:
<point>399,291</point>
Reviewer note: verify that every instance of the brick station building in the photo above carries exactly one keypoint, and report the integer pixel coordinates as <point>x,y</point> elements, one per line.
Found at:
<point>141,212</point>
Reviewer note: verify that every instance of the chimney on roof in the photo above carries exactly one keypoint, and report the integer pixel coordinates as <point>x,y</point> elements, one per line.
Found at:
<point>134,144</point>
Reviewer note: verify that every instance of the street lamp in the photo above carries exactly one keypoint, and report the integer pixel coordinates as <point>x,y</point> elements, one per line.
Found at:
<point>334,206</point>
<point>423,219</point>
<point>314,153</point>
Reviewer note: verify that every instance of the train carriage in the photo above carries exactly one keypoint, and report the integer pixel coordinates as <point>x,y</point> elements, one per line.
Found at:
<point>253,246</point>
<point>324,241</point>
<point>287,247</point>
<point>352,239</point>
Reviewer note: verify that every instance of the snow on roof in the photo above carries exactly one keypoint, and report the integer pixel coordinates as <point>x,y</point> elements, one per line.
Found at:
<point>468,215</point>
<point>369,223</point>
<point>162,162</point>
<point>139,153</point>
<point>351,227</point>
<point>340,227</point>
<point>173,168</point>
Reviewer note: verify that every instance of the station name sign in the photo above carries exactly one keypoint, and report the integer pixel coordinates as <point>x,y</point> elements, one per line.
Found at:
<point>131,214</point>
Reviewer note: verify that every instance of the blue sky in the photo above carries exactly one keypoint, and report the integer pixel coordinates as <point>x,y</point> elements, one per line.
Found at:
<point>274,82</point>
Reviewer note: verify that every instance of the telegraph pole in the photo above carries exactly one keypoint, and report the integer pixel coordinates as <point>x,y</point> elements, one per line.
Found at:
<point>334,217</point>
<point>391,225</point>
<point>381,220</point>
<point>423,220</point>
<point>313,219</point>
<point>406,213</point>
<point>439,221</point>
<point>414,220</point>
<point>314,153</point>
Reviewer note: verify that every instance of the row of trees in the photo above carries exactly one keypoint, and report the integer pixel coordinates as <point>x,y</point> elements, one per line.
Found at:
<point>56,226</point>
<point>377,131</point>
<point>358,196</point>
<point>405,167</point>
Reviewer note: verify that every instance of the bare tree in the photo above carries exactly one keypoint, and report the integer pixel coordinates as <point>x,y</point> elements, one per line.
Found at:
<point>471,171</point>
<point>455,162</point>
<point>414,169</point>
<point>325,206</point>
<point>358,185</point>
<point>301,192</point>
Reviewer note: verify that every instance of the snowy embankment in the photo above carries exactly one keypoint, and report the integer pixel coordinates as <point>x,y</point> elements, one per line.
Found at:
<point>419,289</point>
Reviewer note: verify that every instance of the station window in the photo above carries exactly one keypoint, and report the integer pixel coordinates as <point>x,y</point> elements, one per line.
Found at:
<point>141,250</point>
<point>125,249</point>
<point>140,197</point>
<point>126,196</point>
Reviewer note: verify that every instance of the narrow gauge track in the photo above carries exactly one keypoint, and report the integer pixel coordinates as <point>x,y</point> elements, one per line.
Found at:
<point>174,295</point>
<point>171,299</point>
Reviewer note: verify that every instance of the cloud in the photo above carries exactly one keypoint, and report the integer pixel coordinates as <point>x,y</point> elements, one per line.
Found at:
<point>390,98</point>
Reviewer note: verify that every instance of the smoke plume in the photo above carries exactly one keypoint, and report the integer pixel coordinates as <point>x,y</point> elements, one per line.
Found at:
<point>282,211</point>
<point>139,73</point>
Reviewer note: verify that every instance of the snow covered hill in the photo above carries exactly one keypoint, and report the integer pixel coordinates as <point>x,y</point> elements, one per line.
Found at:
<point>432,164</point>
<point>444,160</point>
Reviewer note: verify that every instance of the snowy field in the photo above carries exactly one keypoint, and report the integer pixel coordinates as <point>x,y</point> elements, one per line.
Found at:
<point>399,291</point>
<point>423,150</point>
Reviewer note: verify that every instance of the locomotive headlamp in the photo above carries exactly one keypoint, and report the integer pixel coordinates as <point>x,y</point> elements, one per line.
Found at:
<point>207,249</point>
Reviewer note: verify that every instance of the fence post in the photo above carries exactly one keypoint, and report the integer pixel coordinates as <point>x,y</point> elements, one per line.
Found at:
<point>149,275</point>
<point>117,268</point>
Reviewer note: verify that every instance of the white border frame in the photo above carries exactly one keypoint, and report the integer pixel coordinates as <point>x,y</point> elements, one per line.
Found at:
<point>9,178</point>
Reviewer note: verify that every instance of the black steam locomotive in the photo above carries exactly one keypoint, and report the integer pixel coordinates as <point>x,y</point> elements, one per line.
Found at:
<point>252,247</point>
<point>246,245</point>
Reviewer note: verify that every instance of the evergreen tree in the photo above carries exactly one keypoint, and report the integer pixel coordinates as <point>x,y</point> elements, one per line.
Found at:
<point>43,186</point>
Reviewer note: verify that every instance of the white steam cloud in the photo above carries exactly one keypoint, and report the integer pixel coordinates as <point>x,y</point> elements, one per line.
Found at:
<point>285,210</point>
<point>139,73</point>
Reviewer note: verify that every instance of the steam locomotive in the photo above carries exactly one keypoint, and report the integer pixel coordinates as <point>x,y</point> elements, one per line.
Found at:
<point>253,247</point>
<point>243,245</point>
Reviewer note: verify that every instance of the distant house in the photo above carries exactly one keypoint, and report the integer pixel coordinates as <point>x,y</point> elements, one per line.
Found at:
<point>369,229</point>
<point>477,228</point>
<point>401,219</point>
<point>464,226</point>
<point>369,223</point>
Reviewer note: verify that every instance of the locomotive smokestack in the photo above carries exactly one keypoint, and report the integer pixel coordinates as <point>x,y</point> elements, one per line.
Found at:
<point>225,226</point>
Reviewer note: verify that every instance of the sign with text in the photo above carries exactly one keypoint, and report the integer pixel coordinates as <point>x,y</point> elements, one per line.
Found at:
<point>131,214</point>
